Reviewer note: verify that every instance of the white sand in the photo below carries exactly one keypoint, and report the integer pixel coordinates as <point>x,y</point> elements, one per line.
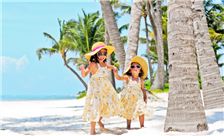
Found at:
<point>63,117</point>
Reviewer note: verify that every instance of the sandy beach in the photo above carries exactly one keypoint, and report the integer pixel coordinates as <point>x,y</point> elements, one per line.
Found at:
<point>63,117</point>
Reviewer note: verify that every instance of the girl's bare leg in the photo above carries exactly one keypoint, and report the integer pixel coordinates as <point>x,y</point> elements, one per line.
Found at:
<point>128,124</point>
<point>93,128</point>
<point>101,124</point>
<point>141,120</point>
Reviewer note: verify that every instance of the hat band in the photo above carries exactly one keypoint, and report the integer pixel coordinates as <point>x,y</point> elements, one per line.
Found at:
<point>98,47</point>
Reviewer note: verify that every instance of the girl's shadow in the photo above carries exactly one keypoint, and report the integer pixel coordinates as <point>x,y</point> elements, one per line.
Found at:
<point>114,131</point>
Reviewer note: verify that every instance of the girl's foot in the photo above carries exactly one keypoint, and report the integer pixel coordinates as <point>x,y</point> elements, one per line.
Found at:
<point>129,124</point>
<point>92,128</point>
<point>92,132</point>
<point>141,121</point>
<point>101,125</point>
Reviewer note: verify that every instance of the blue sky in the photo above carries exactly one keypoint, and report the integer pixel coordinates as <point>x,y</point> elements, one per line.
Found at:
<point>22,27</point>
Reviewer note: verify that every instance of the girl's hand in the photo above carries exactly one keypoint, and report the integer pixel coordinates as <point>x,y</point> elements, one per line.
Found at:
<point>145,98</point>
<point>115,70</point>
<point>82,67</point>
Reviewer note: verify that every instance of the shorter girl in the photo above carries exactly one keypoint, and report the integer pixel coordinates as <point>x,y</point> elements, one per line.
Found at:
<point>133,97</point>
<point>101,98</point>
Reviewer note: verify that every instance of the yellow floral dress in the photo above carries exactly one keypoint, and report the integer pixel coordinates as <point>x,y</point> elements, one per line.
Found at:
<point>131,100</point>
<point>101,99</point>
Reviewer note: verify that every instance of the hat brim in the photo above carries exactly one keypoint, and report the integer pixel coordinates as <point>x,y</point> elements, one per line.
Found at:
<point>110,50</point>
<point>141,62</point>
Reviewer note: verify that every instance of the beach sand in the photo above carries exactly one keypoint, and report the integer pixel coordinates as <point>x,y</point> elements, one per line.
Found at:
<point>63,117</point>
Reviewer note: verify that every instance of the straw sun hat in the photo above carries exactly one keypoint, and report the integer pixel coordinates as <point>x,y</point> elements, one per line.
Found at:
<point>97,47</point>
<point>142,63</point>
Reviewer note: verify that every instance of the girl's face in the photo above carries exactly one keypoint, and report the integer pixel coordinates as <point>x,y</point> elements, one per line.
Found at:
<point>102,55</point>
<point>135,68</point>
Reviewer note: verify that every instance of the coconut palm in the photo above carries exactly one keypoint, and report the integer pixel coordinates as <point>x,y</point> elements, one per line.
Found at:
<point>152,51</point>
<point>185,110</point>
<point>212,84</point>
<point>156,22</point>
<point>85,31</point>
<point>112,29</point>
<point>214,15</point>
<point>61,46</point>
<point>133,31</point>
<point>77,36</point>
<point>148,51</point>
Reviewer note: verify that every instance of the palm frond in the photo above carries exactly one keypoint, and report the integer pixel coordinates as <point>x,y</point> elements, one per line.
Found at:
<point>123,27</point>
<point>50,37</point>
<point>78,61</point>
<point>124,39</point>
<point>43,51</point>
<point>142,40</point>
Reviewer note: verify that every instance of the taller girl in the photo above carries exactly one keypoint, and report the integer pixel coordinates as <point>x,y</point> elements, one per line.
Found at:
<point>101,100</point>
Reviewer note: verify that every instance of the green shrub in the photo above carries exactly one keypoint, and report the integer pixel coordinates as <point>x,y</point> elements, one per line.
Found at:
<point>81,94</point>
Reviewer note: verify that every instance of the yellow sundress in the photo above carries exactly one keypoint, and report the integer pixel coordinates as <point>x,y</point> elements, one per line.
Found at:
<point>101,99</point>
<point>131,100</point>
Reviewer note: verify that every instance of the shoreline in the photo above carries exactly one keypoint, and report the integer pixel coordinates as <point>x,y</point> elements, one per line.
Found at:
<point>40,98</point>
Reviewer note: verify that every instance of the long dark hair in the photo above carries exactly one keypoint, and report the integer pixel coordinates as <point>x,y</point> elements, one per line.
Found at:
<point>94,58</point>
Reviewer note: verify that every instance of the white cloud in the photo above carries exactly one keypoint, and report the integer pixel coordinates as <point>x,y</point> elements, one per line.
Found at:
<point>14,64</point>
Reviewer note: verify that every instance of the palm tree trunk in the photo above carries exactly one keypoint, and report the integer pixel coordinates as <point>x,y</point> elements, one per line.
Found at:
<point>109,59</point>
<point>133,33</point>
<point>112,28</point>
<point>212,84</point>
<point>185,110</point>
<point>156,21</point>
<point>148,50</point>
<point>73,71</point>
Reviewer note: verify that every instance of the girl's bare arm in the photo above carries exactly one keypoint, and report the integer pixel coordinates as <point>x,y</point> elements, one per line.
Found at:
<point>143,91</point>
<point>86,71</point>
<point>118,77</point>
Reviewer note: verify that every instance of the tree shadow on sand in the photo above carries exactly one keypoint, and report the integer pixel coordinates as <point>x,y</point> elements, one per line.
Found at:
<point>32,125</point>
<point>45,123</point>
<point>114,131</point>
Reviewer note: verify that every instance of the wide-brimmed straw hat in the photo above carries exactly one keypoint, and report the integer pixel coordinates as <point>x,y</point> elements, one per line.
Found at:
<point>97,47</point>
<point>142,63</point>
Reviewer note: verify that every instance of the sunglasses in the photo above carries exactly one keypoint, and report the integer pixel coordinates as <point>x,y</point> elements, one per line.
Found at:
<point>102,54</point>
<point>136,66</point>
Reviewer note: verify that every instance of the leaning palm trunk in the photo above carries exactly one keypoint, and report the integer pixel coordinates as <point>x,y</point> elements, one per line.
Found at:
<point>185,110</point>
<point>73,71</point>
<point>156,21</point>
<point>148,54</point>
<point>133,33</point>
<point>112,28</point>
<point>212,84</point>
<point>109,60</point>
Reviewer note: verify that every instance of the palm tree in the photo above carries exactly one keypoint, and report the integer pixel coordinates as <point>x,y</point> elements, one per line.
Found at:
<point>156,22</point>
<point>185,110</point>
<point>62,46</point>
<point>214,15</point>
<point>85,31</point>
<point>212,84</point>
<point>109,59</point>
<point>148,52</point>
<point>112,29</point>
<point>133,32</point>
<point>76,36</point>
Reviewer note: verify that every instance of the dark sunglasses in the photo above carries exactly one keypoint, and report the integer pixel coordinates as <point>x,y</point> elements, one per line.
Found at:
<point>135,66</point>
<point>102,54</point>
